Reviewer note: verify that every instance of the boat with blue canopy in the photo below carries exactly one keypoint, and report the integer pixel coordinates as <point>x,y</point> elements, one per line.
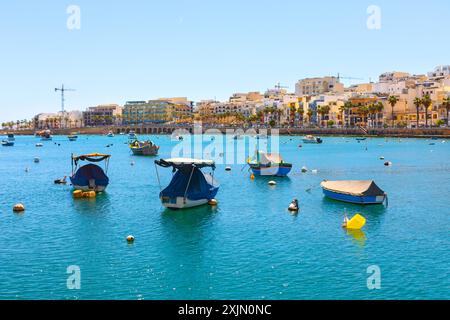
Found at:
<point>269,164</point>
<point>189,187</point>
<point>354,191</point>
<point>90,177</point>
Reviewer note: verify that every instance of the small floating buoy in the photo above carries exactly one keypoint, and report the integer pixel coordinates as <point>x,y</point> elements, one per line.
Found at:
<point>212,202</point>
<point>314,171</point>
<point>293,206</point>
<point>381,158</point>
<point>304,169</point>
<point>89,194</point>
<point>272,183</point>
<point>132,163</point>
<point>39,145</point>
<point>355,223</point>
<point>388,163</point>
<point>130,238</point>
<point>227,168</point>
<point>36,160</point>
<point>252,176</point>
<point>26,169</point>
<point>19,207</point>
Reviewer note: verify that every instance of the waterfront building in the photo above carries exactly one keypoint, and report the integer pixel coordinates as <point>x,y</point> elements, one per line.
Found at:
<point>440,72</point>
<point>105,114</point>
<point>316,86</point>
<point>58,120</point>
<point>146,112</point>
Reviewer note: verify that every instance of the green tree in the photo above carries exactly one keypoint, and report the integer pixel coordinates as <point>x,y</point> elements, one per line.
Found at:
<point>417,103</point>
<point>426,102</point>
<point>392,101</point>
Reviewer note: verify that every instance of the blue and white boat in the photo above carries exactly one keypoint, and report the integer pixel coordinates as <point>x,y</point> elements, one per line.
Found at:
<point>354,191</point>
<point>11,137</point>
<point>7,143</point>
<point>90,177</point>
<point>189,187</point>
<point>269,164</point>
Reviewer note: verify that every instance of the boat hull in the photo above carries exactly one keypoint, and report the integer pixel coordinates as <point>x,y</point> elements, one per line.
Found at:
<point>308,141</point>
<point>279,171</point>
<point>87,188</point>
<point>145,151</point>
<point>354,199</point>
<point>8,143</point>
<point>181,202</point>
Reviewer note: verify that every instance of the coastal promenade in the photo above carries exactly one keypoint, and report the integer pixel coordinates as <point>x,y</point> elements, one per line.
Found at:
<point>168,129</point>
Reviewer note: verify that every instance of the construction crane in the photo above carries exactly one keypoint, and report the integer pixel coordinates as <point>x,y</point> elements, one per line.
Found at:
<point>62,89</point>
<point>278,86</point>
<point>347,78</point>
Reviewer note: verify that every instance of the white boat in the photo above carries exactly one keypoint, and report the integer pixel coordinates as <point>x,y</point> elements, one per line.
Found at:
<point>312,139</point>
<point>110,134</point>
<point>189,187</point>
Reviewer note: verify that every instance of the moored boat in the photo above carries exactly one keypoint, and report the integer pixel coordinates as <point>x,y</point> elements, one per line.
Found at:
<point>110,134</point>
<point>265,164</point>
<point>11,137</point>
<point>7,143</point>
<point>46,135</point>
<point>73,137</point>
<point>354,191</point>
<point>311,139</point>
<point>90,177</point>
<point>189,187</point>
<point>144,148</point>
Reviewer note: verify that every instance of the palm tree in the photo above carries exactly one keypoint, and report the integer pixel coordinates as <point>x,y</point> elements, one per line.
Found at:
<point>426,102</point>
<point>309,113</point>
<point>323,111</point>
<point>392,101</point>
<point>446,105</point>
<point>417,102</point>
<point>348,105</point>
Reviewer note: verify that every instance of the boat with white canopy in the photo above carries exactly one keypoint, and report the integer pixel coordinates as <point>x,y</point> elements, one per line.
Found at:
<point>354,191</point>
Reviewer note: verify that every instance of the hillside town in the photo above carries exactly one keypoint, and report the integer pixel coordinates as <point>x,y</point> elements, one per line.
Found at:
<point>397,99</point>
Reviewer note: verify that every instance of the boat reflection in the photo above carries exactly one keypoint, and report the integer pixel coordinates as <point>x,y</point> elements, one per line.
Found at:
<point>358,236</point>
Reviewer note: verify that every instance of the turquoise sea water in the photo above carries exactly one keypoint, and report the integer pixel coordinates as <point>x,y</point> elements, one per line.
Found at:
<point>249,247</point>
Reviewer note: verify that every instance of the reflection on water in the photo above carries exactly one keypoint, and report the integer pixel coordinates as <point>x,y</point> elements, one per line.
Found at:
<point>100,205</point>
<point>358,236</point>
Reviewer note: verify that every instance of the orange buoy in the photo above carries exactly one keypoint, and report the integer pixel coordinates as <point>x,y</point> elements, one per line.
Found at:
<point>77,194</point>
<point>130,238</point>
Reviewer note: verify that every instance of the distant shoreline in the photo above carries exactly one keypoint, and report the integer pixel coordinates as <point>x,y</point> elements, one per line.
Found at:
<point>352,132</point>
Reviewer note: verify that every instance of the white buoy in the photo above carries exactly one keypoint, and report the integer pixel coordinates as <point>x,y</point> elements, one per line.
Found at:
<point>314,171</point>
<point>227,168</point>
<point>130,238</point>
<point>381,158</point>
<point>272,183</point>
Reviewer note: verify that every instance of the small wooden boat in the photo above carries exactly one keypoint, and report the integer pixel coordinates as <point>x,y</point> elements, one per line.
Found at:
<point>354,191</point>
<point>144,148</point>
<point>90,177</point>
<point>312,139</point>
<point>265,164</point>
<point>46,135</point>
<point>7,143</point>
<point>73,137</point>
<point>190,187</point>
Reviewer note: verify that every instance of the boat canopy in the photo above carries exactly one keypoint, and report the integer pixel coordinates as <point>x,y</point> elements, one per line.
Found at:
<point>179,163</point>
<point>353,187</point>
<point>91,157</point>
<point>194,185</point>
<point>265,158</point>
<point>90,172</point>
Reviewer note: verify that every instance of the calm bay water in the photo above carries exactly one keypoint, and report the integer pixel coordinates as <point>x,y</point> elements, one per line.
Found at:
<point>249,247</point>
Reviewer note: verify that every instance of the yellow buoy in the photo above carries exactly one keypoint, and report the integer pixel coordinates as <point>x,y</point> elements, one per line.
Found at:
<point>19,207</point>
<point>252,176</point>
<point>355,223</point>
<point>212,202</point>
<point>78,194</point>
<point>130,239</point>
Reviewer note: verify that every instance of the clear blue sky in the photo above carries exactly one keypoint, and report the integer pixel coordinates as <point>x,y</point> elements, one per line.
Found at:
<point>203,49</point>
